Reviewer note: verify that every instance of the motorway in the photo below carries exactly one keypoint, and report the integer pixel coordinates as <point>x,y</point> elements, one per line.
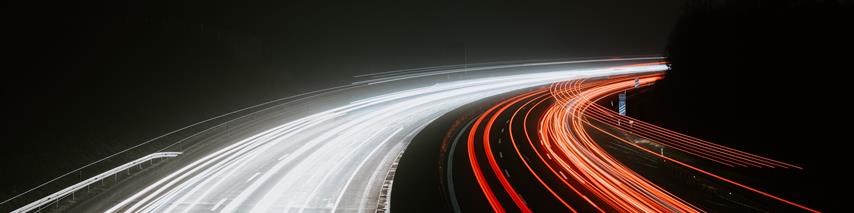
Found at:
<point>554,149</point>
<point>330,152</point>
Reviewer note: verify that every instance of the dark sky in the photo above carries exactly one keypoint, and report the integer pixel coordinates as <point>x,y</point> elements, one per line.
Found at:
<point>82,75</point>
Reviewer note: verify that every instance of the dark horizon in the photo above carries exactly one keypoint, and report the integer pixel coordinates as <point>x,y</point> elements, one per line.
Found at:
<point>119,73</point>
<point>89,79</point>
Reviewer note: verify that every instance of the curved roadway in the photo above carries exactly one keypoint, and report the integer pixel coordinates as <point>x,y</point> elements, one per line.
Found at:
<point>333,157</point>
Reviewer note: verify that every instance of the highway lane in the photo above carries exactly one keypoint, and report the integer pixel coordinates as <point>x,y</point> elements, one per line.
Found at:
<point>552,158</point>
<point>323,159</point>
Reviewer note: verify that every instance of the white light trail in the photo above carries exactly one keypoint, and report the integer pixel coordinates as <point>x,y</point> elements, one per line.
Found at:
<point>328,160</point>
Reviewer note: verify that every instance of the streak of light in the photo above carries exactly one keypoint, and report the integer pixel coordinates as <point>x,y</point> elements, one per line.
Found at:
<point>569,153</point>
<point>315,158</point>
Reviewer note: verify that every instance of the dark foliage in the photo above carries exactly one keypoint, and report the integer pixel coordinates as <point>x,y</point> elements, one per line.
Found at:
<point>763,76</point>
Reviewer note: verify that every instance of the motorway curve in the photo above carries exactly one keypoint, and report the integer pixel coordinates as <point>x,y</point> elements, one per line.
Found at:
<point>330,160</point>
<point>550,158</point>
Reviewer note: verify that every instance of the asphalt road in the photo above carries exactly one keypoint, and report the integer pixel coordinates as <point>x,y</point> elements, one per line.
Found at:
<point>330,152</point>
<point>508,131</point>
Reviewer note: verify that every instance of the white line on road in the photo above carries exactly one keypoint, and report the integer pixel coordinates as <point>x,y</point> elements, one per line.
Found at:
<point>284,156</point>
<point>377,112</point>
<point>218,204</point>
<point>253,177</point>
<point>359,167</point>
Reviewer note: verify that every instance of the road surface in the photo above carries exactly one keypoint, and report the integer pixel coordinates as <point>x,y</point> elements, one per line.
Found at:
<point>554,148</point>
<point>329,153</point>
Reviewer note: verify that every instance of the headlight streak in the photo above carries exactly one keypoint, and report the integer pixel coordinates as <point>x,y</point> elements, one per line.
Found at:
<point>580,164</point>
<point>311,176</point>
<point>499,65</point>
<point>470,69</point>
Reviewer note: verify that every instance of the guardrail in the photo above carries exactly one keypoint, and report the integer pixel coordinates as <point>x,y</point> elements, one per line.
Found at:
<point>176,141</point>
<point>55,197</point>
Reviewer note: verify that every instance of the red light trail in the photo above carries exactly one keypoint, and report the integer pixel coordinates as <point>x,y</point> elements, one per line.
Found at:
<point>590,177</point>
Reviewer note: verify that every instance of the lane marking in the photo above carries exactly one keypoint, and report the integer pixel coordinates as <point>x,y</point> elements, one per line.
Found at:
<point>359,167</point>
<point>284,156</point>
<point>253,177</point>
<point>218,204</point>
